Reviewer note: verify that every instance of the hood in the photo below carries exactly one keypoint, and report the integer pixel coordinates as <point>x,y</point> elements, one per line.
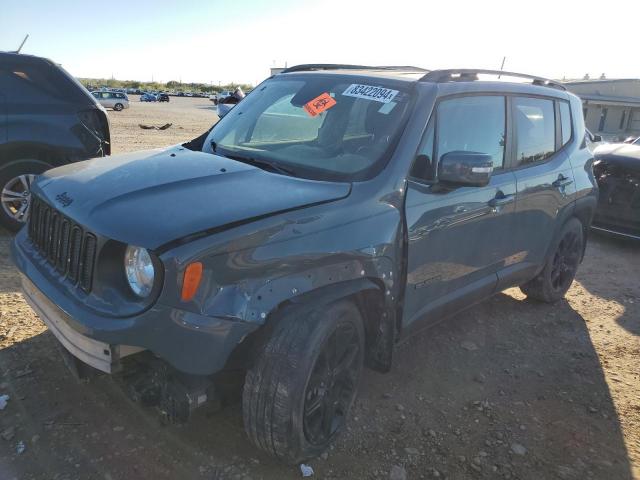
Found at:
<point>625,156</point>
<point>617,149</point>
<point>153,197</point>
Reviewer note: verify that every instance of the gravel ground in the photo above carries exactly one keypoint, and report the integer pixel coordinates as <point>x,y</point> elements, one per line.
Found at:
<point>509,389</point>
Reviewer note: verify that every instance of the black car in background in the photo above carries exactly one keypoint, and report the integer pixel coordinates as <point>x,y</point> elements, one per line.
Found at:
<point>47,119</point>
<point>163,97</point>
<point>617,170</point>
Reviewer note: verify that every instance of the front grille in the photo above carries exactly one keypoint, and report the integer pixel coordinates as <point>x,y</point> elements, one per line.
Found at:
<point>64,244</point>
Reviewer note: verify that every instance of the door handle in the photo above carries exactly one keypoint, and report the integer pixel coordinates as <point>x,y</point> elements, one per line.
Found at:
<point>501,200</point>
<point>562,181</point>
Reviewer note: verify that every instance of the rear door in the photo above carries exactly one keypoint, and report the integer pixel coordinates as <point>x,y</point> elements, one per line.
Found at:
<point>3,118</point>
<point>544,177</point>
<point>458,237</point>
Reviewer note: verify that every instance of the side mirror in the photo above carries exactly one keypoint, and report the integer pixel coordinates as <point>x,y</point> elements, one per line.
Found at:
<point>465,168</point>
<point>597,138</point>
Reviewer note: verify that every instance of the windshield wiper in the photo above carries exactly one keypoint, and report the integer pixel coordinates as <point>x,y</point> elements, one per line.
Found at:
<point>264,164</point>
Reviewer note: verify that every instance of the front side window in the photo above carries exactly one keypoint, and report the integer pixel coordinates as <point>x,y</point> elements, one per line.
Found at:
<point>472,124</point>
<point>330,127</point>
<point>535,129</point>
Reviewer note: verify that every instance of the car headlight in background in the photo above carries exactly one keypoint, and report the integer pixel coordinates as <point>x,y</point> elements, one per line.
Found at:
<point>139,270</point>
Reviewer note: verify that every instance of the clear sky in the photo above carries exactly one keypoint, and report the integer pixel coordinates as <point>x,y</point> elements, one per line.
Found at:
<point>223,41</point>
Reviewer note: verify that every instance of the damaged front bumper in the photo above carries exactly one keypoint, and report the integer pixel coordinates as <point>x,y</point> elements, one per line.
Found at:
<point>97,354</point>
<point>191,343</point>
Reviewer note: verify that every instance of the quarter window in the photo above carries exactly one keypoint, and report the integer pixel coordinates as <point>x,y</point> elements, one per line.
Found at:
<point>535,127</point>
<point>472,124</point>
<point>424,166</point>
<point>565,119</point>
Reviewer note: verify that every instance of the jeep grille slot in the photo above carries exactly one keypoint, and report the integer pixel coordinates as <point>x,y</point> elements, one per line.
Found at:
<point>86,270</point>
<point>63,244</point>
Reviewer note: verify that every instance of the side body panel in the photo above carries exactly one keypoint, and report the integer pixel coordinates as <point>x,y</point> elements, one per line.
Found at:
<point>544,193</point>
<point>3,118</point>
<point>457,243</point>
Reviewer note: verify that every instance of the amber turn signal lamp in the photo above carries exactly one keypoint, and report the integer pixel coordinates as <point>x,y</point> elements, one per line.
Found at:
<point>191,282</point>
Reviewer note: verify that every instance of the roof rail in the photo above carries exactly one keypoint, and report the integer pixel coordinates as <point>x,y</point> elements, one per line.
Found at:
<point>337,66</point>
<point>471,74</point>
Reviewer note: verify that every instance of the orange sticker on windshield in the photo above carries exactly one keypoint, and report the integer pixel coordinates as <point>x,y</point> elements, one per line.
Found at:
<point>319,104</point>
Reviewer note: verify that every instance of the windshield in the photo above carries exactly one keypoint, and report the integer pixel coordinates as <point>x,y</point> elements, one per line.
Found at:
<point>317,126</point>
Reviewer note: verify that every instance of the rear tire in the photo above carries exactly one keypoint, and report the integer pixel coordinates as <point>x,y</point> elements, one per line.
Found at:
<point>299,391</point>
<point>118,107</point>
<point>561,266</point>
<point>15,185</point>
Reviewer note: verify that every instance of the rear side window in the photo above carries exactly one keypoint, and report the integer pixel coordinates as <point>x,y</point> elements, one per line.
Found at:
<point>472,124</point>
<point>535,129</point>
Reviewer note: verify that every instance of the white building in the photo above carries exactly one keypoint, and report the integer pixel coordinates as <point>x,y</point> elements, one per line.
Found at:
<point>611,107</point>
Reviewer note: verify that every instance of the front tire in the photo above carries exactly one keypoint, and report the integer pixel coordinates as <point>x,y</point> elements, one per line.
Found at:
<point>118,107</point>
<point>299,392</point>
<point>15,185</point>
<point>553,282</point>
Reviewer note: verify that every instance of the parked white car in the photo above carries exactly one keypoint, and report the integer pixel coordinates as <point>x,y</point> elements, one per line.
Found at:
<point>116,100</point>
<point>225,104</point>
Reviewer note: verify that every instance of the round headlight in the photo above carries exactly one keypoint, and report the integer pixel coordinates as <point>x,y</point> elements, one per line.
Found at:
<point>139,270</point>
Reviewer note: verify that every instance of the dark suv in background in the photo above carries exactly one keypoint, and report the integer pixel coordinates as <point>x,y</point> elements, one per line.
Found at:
<point>47,119</point>
<point>334,211</point>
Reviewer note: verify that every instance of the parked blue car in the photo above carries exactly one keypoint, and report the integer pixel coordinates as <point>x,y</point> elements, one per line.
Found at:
<point>148,97</point>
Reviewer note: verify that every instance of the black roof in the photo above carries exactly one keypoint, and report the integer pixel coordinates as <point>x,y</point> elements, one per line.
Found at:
<point>421,74</point>
<point>22,57</point>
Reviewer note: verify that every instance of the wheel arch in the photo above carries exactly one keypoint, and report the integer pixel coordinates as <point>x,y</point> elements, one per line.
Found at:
<point>48,155</point>
<point>584,211</point>
<point>18,161</point>
<point>368,295</point>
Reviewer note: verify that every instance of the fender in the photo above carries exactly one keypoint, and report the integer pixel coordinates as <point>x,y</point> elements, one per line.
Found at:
<point>377,314</point>
<point>367,280</point>
<point>584,210</point>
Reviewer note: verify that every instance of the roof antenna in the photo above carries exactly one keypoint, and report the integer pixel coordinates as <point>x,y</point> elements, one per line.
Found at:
<point>502,66</point>
<point>22,44</point>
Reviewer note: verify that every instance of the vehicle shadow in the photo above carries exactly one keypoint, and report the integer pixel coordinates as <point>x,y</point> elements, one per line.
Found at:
<point>506,376</point>
<point>619,280</point>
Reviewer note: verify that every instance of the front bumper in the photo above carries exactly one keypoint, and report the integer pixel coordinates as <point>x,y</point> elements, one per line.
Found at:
<point>192,343</point>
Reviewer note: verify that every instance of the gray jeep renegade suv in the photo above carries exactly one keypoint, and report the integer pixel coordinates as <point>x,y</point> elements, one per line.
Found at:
<point>332,212</point>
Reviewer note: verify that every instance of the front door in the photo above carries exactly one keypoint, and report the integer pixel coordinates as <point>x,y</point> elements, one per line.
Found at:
<point>458,237</point>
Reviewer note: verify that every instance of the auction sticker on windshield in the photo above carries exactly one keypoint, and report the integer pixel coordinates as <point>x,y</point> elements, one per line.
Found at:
<point>369,92</point>
<point>319,104</point>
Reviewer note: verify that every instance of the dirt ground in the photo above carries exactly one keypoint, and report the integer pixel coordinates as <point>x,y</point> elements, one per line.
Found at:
<point>509,389</point>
